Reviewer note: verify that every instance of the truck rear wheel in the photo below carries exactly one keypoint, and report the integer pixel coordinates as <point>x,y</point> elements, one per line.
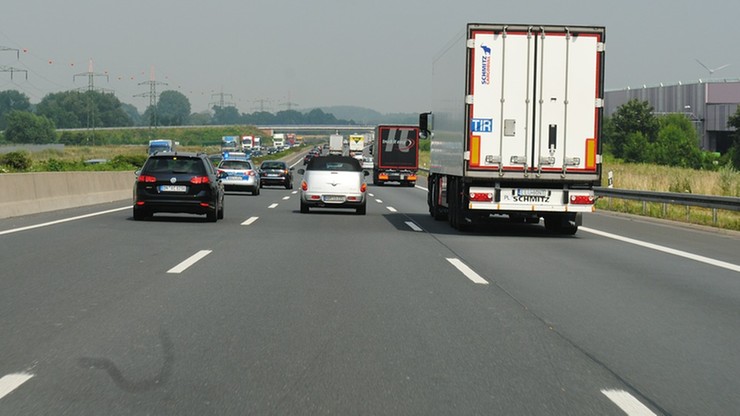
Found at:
<point>564,224</point>
<point>437,212</point>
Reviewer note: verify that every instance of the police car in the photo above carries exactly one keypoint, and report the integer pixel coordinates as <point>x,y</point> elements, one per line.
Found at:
<point>238,173</point>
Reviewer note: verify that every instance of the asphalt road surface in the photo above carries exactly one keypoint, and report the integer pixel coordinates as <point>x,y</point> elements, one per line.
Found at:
<point>274,312</point>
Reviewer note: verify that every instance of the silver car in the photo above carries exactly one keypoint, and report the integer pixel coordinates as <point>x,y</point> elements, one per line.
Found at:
<point>239,175</point>
<point>333,182</point>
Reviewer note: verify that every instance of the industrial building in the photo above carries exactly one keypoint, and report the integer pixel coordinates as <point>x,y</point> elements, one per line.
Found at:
<point>708,104</point>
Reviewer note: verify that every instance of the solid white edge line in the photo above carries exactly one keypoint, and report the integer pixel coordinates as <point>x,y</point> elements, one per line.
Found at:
<point>272,206</point>
<point>189,261</point>
<point>413,226</point>
<point>628,403</point>
<point>696,257</point>
<point>422,188</point>
<point>12,382</point>
<point>46,224</point>
<point>467,271</point>
<point>250,221</point>
<point>391,209</point>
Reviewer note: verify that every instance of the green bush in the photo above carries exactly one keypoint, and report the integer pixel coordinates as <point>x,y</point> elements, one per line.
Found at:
<point>16,161</point>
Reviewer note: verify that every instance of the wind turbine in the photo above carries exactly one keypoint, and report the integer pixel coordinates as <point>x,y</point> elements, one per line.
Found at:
<point>712,71</point>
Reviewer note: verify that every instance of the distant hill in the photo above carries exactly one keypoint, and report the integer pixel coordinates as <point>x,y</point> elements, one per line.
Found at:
<point>362,115</point>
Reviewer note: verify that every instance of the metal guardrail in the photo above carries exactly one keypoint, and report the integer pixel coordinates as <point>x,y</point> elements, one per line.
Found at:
<point>705,201</point>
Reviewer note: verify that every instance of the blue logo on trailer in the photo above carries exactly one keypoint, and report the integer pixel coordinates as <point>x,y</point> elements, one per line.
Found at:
<point>485,77</point>
<point>481,125</point>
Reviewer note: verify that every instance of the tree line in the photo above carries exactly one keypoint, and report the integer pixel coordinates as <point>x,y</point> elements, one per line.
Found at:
<point>635,134</point>
<point>23,122</point>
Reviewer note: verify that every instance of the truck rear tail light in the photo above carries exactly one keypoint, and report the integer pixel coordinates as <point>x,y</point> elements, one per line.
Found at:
<point>481,197</point>
<point>582,199</point>
<point>204,204</point>
<point>304,186</point>
<point>147,179</point>
<point>383,176</point>
<point>199,180</point>
<point>363,187</point>
<point>411,177</point>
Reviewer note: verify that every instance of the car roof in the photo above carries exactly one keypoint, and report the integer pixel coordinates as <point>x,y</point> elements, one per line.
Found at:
<point>178,154</point>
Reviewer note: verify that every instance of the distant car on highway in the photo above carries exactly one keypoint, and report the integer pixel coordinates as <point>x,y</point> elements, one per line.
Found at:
<point>178,182</point>
<point>239,175</point>
<point>276,172</point>
<point>333,182</point>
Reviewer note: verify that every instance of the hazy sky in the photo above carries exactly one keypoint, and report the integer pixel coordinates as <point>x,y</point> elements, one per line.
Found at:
<point>374,54</point>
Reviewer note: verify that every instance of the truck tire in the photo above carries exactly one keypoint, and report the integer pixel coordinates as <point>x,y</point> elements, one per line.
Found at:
<point>437,212</point>
<point>563,224</point>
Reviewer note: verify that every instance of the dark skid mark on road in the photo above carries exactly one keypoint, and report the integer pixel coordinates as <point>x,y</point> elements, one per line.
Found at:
<point>135,386</point>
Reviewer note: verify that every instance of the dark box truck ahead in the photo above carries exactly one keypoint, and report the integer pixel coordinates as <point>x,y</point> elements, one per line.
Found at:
<point>396,153</point>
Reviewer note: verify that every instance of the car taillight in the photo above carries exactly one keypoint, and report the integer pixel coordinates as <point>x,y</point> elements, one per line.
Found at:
<point>363,187</point>
<point>582,199</point>
<point>285,171</point>
<point>304,186</point>
<point>250,173</point>
<point>481,197</point>
<point>147,178</point>
<point>198,180</point>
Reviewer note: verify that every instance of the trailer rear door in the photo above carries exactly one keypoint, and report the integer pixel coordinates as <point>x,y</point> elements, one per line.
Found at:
<point>534,100</point>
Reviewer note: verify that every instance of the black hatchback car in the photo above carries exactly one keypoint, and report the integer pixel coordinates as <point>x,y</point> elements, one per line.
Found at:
<point>178,182</point>
<point>276,172</point>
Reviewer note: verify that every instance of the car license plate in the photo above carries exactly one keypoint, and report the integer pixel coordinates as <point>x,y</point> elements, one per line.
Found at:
<point>532,192</point>
<point>272,174</point>
<point>173,188</point>
<point>333,198</point>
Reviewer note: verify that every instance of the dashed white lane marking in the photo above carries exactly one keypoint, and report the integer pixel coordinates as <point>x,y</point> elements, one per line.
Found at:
<point>285,198</point>
<point>46,224</point>
<point>273,205</point>
<point>371,195</point>
<point>413,226</point>
<point>467,271</point>
<point>250,221</point>
<point>294,192</point>
<point>628,403</point>
<point>12,382</point>
<point>696,257</point>
<point>380,201</point>
<point>391,209</point>
<point>189,261</point>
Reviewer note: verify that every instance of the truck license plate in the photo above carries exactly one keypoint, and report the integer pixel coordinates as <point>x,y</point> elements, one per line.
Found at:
<point>532,192</point>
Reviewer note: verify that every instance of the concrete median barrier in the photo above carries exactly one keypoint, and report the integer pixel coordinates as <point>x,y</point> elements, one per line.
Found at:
<point>30,193</point>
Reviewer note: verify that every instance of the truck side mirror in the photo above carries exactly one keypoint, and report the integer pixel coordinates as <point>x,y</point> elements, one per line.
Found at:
<point>425,125</point>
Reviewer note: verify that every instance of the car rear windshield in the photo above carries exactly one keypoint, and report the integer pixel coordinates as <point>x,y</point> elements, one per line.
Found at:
<point>273,165</point>
<point>175,165</point>
<point>334,164</point>
<point>236,164</point>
